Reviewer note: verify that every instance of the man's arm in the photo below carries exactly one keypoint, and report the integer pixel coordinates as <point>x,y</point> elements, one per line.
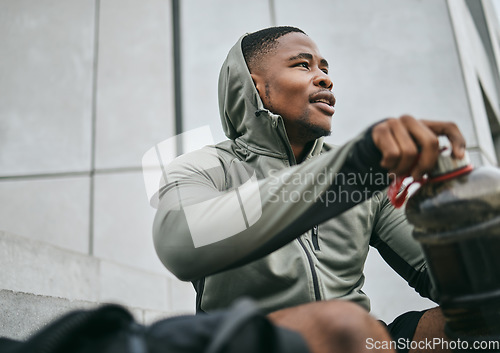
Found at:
<point>201,228</point>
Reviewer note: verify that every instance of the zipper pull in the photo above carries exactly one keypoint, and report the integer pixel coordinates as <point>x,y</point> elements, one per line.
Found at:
<point>315,239</point>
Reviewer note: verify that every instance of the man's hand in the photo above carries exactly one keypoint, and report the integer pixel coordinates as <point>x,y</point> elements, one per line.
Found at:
<point>411,147</point>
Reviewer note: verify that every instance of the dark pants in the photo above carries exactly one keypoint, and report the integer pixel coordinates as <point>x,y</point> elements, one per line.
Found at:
<point>402,329</point>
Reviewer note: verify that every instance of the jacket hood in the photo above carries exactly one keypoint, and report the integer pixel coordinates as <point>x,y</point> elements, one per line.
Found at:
<point>238,97</point>
<point>242,112</point>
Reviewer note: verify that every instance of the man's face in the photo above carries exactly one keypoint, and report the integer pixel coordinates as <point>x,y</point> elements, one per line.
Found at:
<point>293,82</point>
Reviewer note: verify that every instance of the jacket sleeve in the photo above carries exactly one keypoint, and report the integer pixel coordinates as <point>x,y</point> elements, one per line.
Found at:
<point>393,238</point>
<point>200,228</point>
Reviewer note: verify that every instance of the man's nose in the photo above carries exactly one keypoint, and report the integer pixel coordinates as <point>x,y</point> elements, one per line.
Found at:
<point>323,80</point>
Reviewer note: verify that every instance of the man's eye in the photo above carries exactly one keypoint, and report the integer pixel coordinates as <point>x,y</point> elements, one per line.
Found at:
<point>325,71</point>
<point>304,65</point>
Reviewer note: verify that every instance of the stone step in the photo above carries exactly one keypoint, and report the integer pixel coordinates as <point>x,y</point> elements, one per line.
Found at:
<point>51,275</point>
<point>23,314</point>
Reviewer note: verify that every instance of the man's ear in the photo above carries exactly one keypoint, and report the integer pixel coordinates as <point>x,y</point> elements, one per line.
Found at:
<point>258,81</point>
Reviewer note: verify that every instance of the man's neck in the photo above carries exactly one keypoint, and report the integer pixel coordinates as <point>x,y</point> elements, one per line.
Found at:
<point>301,150</point>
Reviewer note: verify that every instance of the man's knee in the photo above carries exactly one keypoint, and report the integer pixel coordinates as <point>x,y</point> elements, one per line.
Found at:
<point>335,323</point>
<point>326,315</point>
<point>348,323</point>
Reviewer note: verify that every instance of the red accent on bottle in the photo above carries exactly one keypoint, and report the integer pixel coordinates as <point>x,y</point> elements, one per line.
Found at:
<point>398,198</point>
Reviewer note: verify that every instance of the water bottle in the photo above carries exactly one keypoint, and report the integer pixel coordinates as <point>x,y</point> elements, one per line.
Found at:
<point>456,218</point>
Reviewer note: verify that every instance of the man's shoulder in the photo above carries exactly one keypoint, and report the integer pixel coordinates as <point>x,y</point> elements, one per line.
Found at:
<point>205,158</point>
<point>200,158</point>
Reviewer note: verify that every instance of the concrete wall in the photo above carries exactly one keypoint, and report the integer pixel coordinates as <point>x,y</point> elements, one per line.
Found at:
<point>87,88</point>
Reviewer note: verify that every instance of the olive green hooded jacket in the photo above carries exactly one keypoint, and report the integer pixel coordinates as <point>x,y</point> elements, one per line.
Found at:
<point>242,218</point>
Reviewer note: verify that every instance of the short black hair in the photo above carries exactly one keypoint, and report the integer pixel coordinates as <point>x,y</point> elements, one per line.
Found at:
<point>257,44</point>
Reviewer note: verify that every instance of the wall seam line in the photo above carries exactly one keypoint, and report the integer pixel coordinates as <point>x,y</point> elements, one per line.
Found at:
<point>93,128</point>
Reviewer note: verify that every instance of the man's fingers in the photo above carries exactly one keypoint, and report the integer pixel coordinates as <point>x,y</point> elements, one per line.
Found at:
<point>387,145</point>
<point>400,141</point>
<point>427,143</point>
<point>408,151</point>
<point>450,130</point>
<point>411,147</point>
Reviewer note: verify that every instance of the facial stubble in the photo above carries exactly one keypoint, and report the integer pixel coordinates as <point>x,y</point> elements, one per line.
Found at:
<point>307,130</point>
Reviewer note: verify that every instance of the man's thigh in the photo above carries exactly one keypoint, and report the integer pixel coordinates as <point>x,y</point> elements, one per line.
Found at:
<point>334,326</point>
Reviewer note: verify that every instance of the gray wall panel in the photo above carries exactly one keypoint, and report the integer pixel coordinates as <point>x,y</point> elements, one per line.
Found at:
<point>134,84</point>
<point>53,210</point>
<point>123,221</point>
<point>46,86</point>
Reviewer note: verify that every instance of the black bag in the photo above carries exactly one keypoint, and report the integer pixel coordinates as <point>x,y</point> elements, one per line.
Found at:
<point>112,329</point>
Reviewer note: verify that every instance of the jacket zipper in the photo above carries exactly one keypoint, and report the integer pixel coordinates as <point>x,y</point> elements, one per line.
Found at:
<point>315,239</point>
<point>317,295</point>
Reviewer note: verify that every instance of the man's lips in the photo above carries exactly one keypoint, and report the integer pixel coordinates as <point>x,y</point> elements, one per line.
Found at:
<point>324,100</point>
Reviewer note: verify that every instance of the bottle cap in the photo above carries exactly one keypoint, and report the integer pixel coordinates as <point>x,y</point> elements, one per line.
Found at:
<point>446,163</point>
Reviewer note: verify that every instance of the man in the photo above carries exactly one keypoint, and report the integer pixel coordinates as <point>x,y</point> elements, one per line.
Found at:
<point>277,215</point>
